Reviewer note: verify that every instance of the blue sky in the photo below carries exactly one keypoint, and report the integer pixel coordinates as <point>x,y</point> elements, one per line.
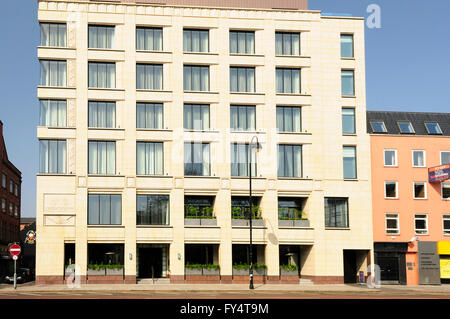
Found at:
<point>407,68</point>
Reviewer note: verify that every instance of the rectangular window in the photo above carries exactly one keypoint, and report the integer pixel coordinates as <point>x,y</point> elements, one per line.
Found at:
<point>336,212</point>
<point>101,37</point>
<point>149,76</point>
<point>289,208</point>
<point>242,42</point>
<point>289,119</point>
<point>197,159</point>
<point>348,82</point>
<point>53,73</point>
<point>198,206</point>
<point>242,79</point>
<point>102,114</point>
<point>240,156</point>
<point>240,207</point>
<point>149,39</point>
<point>347,45</point>
<point>4,205</point>
<point>287,43</point>
<point>390,157</point>
<point>196,78</point>
<point>16,211</point>
<point>16,190</point>
<point>152,210</point>
<point>102,157</point>
<point>242,117</point>
<point>196,117</point>
<point>421,224</point>
<point>433,128</point>
<point>289,160</point>
<point>150,158</point>
<point>405,127</point>
<point>420,190</point>
<point>288,80</point>
<point>53,34</point>
<point>52,156</point>
<point>349,160</point>
<point>445,157</point>
<point>392,224</point>
<point>418,158</point>
<point>102,75</point>
<point>378,127</point>
<point>104,209</point>
<point>11,186</point>
<point>3,180</point>
<point>149,115</point>
<point>445,191</point>
<point>446,224</point>
<point>195,40</point>
<point>11,209</point>
<point>390,190</point>
<point>53,113</point>
<point>348,121</point>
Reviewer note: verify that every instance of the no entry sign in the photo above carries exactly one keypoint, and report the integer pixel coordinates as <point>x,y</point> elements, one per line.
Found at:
<point>15,250</point>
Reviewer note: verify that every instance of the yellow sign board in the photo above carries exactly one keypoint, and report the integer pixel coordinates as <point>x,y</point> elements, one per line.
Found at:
<point>443,247</point>
<point>445,268</point>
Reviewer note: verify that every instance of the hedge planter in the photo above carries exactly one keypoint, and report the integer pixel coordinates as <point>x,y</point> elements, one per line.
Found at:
<point>259,272</point>
<point>293,223</point>
<point>200,221</point>
<point>193,271</point>
<point>211,272</point>
<point>241,272</point>
<point>246,222</point>
<point>284,272</point>
<point>114,272</point>
<point>96,272</point>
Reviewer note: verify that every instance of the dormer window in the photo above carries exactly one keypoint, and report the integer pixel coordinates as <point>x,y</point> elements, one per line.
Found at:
<point>433,128</point>
<point>405,127</point>
<point>378,127</point>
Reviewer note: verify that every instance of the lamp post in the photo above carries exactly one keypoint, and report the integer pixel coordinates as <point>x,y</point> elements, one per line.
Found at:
<point>258,147</point>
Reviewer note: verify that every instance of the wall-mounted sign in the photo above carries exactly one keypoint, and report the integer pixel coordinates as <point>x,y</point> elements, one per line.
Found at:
<point>439,173</point>
<point>445,268</point>
<point>31,237</point>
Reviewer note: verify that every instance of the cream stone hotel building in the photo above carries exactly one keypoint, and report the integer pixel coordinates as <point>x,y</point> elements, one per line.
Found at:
<point>150,114</point>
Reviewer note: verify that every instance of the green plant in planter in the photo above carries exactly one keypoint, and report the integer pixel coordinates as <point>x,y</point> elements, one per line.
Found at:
<point>207,212</point>
<point>289,267</point>
<point>202,266</point>
<point>102,266</point>
<point>241,266</point>
<point>192,212</point>
<point>259,266</point>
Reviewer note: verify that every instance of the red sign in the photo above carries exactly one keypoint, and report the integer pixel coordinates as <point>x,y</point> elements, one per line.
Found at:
<point>439,173</point>
<point>15,250</point>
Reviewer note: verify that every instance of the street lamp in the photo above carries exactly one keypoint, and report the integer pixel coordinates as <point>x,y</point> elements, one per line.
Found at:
<point>257,147</point>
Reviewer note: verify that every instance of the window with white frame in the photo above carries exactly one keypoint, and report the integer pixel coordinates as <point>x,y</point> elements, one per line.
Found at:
<point>390,190</point>
<point>390,157</point>
<point>405,127</point>
<point>433,128</point>
<point>445,157</point>
<point>421,224</point>
<point>418,158</point>
<point>378,126</point>
<point>392,224</point>
<point>445,191</point>
<point>420,190</point>
<point>446,224</point>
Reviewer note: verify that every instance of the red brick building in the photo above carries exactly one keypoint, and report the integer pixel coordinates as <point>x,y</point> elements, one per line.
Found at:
<point>10,186</point>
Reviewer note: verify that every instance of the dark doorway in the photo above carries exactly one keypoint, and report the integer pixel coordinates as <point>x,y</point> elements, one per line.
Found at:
<point>150,262</point>
<point>389,268</point>
<point>350,267</point>
<point>69,254</point>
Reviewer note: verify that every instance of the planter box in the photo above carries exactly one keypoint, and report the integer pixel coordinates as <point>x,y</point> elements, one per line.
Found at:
<point>241,272</point>
<point>293,223</point>
<point>200,221</point>
<point>211,272</point>
<point>301,223</point>
<point>193,271</point>
<point>285,223</point>
<point>114,272</point>
<point>284,272</point>
<point>259,272</point>
<point>246,222</point>
<point>192,221</point>
<point>99,272</point>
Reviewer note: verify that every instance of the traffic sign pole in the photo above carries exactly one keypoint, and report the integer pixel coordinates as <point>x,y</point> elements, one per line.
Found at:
<point>15,273</point>
<point>15,250</point>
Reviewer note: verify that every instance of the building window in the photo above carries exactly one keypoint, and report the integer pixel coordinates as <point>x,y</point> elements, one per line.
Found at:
<point>150,158</point>
<point>420,190</point>
<point>378,127</point>
<point>195,40</point>
<point>52,156</point>
<point>102,75</point>
<point>289,119</point>
<point>405,127</point>
<point>242,42</point>
<point>446,224</point>
<point>102,157</point>
<point>196,117</point>
<point>53,73</point>
<point>421,224</point>
<point>4,205</point>
<point>11,209</point>
<point>102,114</point>
<point>347,45</point>
<point>289,160</point>
<point>287,43</point>
<point>392,224</point>
<point>390,158</point>
<point>240,207</point>
<point>198,206</point>
<point>196,78</point>
<point>149,76</point>
<point>445,157</point>
<point>240,155</point>
<point>289,208</point>
<point>348,82</point>
<point>336,212</point>
<point>242,117</point>
<point>418,158</point>
<point>445,191</point>
<point>53,113</point>
<point>433,128</point>
<point>11,186</point>
<point>390,190</point>
<point>104,209</point>
<point>152,210</point>
<point>16,190</point>
<point>196,159</point>
<point>3,180</point>
<point>53,34</point>
<point>16,211</point>
<point>349,160</point>
<point>348,121</point>
<point>288,80</point>
<point>149,39</point>
<point>149,115</point>
<point>101,37</point>
<point>242,79</point>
